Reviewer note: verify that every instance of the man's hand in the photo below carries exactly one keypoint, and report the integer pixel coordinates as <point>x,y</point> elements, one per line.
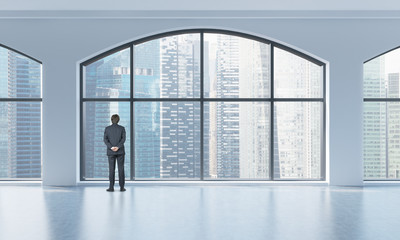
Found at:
<point>114,149</point>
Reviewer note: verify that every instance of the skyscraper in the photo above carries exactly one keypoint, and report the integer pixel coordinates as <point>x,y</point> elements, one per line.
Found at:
<point>21,121</point>
<point>180,121</point>
<point>298,123</point>
<point>375,120</point>
<point>167,133</point>
<point>147,79</point>
<point>227,113</point>
<point>238,134</point>
<point>4,166</point>
<point>393,127</point>
<point>108,77</point>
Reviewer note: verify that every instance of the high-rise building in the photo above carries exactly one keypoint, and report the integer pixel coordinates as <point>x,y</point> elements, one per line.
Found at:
<point>226,160</point>
<point>20,150</point>
<point>147,78</point>
<point>4,166</point>
<point>108,77</point>
<point>298,124</point>
<point>180,121</point>
<point>375,121</point>
<point>167,133</point>
<point>393,127</point>
<point>254,117</point>
<point>237,139</point>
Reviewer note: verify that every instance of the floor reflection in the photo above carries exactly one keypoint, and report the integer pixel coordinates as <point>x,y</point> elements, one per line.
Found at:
<point>199,212</point>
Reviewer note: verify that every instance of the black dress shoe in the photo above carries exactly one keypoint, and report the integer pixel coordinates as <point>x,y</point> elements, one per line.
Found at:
<point>110,190</point>
<point>123,189</point>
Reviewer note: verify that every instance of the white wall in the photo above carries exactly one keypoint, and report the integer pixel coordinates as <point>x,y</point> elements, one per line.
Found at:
<point>61,43</point>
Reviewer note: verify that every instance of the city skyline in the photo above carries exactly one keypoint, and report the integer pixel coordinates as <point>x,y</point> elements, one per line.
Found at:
<point>236,134</point>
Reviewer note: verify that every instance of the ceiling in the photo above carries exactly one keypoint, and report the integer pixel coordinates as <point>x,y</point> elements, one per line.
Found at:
<point>207,5</point>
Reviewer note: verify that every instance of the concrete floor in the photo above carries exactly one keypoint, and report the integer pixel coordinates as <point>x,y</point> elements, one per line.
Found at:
<point>199,212</point>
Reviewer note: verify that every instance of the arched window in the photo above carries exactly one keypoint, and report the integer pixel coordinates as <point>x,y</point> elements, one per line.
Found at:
<point>206,105</point>
<point>381,137</point>
<point>20,115</point>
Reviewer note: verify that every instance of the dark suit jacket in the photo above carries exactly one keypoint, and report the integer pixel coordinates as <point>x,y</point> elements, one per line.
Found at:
<point>114,136</point>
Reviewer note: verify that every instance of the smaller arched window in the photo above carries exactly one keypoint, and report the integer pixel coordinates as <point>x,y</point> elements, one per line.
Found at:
<point>381,119</point>
<point>20,115</point>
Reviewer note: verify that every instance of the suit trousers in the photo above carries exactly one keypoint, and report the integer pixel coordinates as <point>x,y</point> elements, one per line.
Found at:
<point>121,172</point>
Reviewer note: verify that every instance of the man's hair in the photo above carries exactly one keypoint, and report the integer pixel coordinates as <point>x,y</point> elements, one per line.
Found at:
<point>115,118</point>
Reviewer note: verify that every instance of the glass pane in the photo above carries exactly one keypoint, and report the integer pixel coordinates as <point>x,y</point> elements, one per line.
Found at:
<point>381,140</point>
<point>20,140</point>
<point>20,77</point>
<point>381,76</point>
<point>236,67</point>
<point>97,116</point>
<point>167,140</point>
<point>297,140</point>
<point>236,140</point>
<point>108,77</point>
<point>296,77</point>
<point>168,67</point>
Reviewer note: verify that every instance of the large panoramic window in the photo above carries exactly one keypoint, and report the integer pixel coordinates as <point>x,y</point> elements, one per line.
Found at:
<point>206,105</point>
<point>382,117</point>
<point>20,116</point>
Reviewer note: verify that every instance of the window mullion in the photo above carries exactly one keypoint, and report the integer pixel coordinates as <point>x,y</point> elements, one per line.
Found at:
<point>202,105</point>
<point>271,142</point>
<point>132,108</point>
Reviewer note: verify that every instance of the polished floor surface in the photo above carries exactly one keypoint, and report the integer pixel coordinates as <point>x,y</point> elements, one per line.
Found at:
<point>199,212</point>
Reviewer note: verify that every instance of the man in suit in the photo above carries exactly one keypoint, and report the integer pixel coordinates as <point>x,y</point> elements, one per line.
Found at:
<point>114,138</point>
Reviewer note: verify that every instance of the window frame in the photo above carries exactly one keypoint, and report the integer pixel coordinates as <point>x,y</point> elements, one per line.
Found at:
<point>202,100</point>
<point>36,99</point>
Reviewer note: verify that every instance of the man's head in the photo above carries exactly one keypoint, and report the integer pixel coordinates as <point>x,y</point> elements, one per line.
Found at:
<point>115,118</point>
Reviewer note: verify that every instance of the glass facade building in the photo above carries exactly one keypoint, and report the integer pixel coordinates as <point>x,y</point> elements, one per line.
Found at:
<point>206,105</point>
<point>20,116</point>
